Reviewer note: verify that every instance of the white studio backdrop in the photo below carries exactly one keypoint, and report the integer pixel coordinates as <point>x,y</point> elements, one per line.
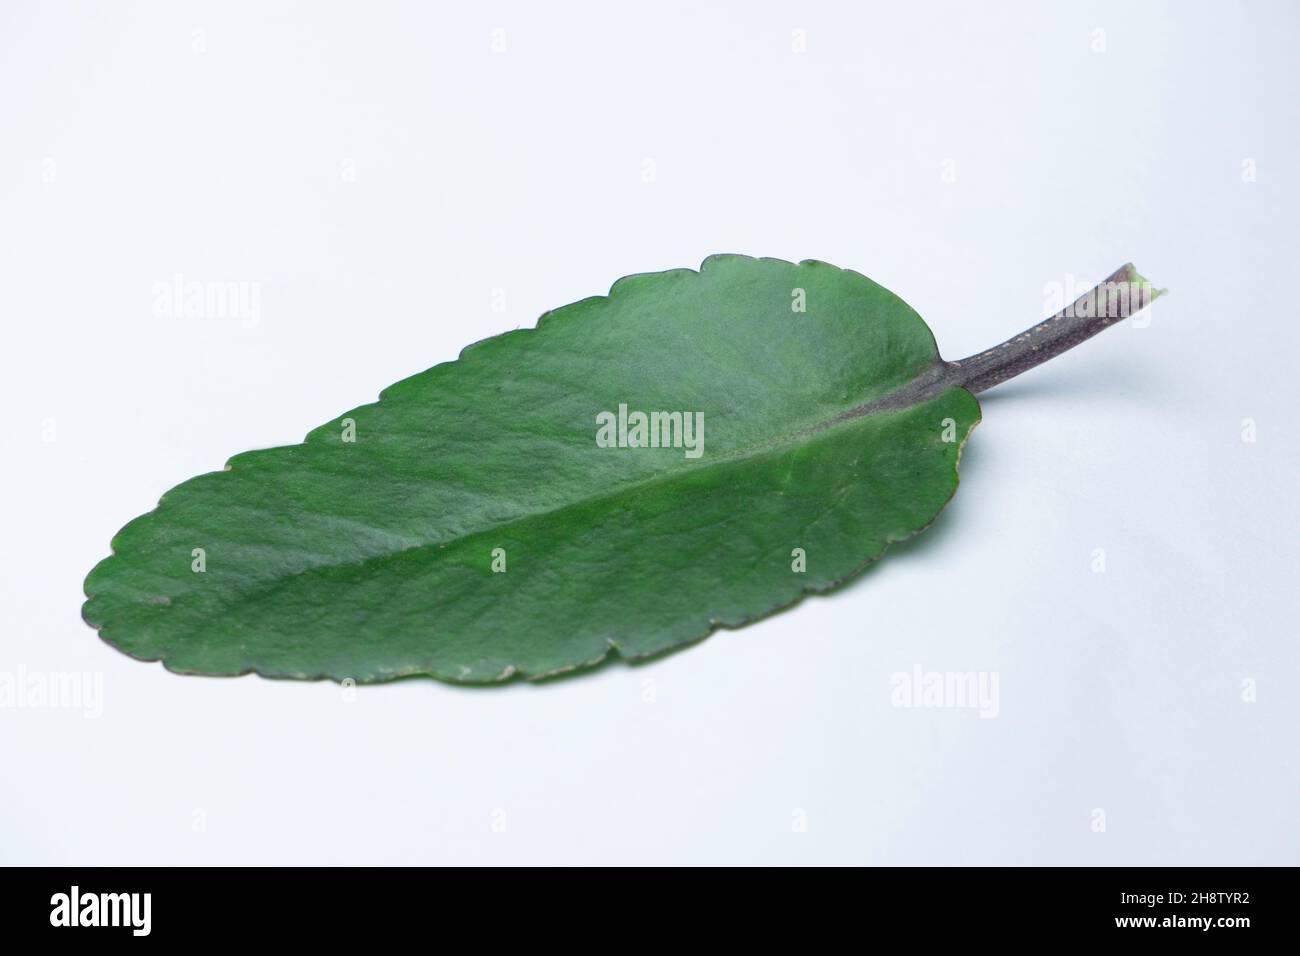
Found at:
<point>387,182</point>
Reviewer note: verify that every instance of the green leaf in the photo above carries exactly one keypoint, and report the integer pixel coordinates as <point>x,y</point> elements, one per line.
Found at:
<point>468,526</point>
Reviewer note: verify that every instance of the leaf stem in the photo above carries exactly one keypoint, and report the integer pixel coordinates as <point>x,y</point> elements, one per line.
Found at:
<point>1124,293</point>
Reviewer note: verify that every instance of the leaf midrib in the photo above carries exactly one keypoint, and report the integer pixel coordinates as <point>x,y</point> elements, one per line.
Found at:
<point>919,389</point>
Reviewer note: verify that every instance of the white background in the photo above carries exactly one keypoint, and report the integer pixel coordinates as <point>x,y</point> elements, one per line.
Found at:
<point>378,170</point>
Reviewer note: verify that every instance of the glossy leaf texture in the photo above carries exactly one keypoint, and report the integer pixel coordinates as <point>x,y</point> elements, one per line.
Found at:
<point>469,525</point>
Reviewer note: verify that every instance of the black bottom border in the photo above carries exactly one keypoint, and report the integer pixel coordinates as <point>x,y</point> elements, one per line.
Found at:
<point>333,905</point>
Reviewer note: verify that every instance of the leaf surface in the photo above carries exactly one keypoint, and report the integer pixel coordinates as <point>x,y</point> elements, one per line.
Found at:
<point>381,557</point>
